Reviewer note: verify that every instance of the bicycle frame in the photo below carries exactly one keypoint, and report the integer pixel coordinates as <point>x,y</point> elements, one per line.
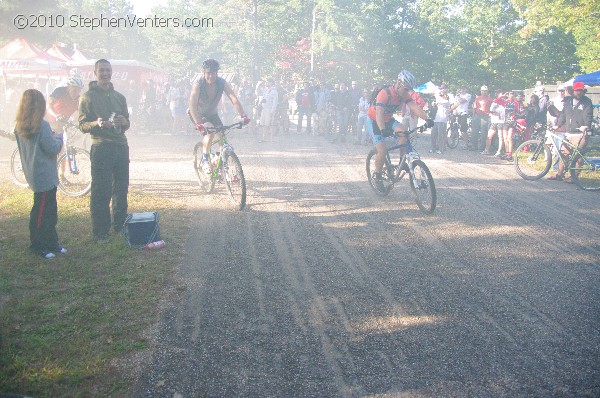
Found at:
<point>223,145</point>
<point>409,157</point>
<point>557,142</point>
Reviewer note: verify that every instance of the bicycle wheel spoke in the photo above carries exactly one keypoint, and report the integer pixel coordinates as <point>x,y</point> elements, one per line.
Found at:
<point>532,159</point>
<point>205,181</point>
<point>585,169</point>
<point>234,179</point>
<point>370,168</point>
<point>75,172</point>
<point>423,187</point>
<point>16,169</point>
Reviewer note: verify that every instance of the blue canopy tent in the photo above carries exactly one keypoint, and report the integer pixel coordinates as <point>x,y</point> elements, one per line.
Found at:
<point>591,79</point>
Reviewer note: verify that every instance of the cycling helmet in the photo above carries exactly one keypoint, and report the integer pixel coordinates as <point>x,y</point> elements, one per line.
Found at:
<point>210,64</point>
<point>74,82</point>
<point>407,79</point>
<point>75,73</point>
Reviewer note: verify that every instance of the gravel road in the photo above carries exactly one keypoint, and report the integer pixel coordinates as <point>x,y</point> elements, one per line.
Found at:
<point>320,288</point>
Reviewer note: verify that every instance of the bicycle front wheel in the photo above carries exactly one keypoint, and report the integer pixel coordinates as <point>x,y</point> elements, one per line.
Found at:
<point>585,168</point>
<point>205,181</point>
<point>75,172</point>
<point>16,169</point>
<point>452,135</point>
<point>387,184</point>
<point>234,179</point>
<point>423,187</point>
<point>532,160</point>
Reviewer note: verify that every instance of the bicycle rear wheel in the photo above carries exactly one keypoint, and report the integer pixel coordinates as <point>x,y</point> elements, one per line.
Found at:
<point>387,183</point>
<point>452,135</point>
<point>587,174</point>
<point>234,179</point>
<point>205,181</point>
<point>75,172</point>
<point>425,194</point>
<point>16,169</point>
<point>532,160</point>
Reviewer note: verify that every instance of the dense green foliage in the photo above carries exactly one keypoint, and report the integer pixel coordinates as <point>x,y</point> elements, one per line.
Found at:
<point>508,43</point>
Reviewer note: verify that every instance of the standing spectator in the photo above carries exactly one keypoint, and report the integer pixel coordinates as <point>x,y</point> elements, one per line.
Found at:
<point>497,124</point>
<point>481,120</point>
<point>322,98</point>
<point>438,131</point>
<point>343,104</point>
<point>176,100</point>
<point>38,148</point>
<point>304,100</point>
<point>362,136</point>
<point>270,101</point>
<point>576,118</point>
<point>246,95</point>
<point>514,109</point>
<point>103,113</point>
<point>461,106</point>
<point>355,94</point>
<point>133,97</point>
<point>557,101</point>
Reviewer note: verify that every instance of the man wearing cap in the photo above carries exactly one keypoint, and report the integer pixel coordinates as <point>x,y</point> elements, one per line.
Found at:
<point>481,119</point>
<point>576,117</point>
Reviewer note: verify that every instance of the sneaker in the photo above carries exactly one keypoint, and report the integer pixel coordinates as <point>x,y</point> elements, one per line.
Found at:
<point>206,166</point>
<point>438,152</point>
<point>379,182</point>
<point>47,255</point>
<point>431,151</point>
<point>485,152</point>
<point>508,157</point>
<point>498,155</point>
<point>61,250</point>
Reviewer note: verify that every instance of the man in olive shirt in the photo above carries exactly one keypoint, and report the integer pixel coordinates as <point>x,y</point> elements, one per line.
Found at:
<point>103,114</point>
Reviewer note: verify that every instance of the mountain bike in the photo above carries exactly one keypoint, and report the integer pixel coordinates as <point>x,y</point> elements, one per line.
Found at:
<point>226,166</point>
<point>533,159</point>
<point>396,166</point>
<point>74,166</point>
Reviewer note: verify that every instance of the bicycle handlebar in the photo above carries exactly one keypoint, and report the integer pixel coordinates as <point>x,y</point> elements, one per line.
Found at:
<point>419,129</point>
<point>210,130</point>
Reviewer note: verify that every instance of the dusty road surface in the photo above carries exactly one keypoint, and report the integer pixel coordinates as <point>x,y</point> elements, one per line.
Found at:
<point>320,288</point>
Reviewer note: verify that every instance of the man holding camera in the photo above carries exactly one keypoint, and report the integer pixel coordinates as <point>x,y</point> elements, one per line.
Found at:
<point>103,114</point>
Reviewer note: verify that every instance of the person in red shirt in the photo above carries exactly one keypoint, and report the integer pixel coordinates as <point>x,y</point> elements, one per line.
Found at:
<point>481,120</point>
<point>63,102</point>
<point>381,123</point>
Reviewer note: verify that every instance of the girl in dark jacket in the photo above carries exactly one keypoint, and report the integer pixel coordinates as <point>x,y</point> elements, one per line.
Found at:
<point>39,147</point>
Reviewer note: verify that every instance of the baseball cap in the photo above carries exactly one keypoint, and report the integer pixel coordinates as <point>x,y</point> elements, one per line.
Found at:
<point>484,88</point>
<point>578,86</point>
<point>561,88</point>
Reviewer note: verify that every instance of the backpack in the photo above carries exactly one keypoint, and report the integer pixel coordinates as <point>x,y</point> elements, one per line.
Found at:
<point>376,91</point>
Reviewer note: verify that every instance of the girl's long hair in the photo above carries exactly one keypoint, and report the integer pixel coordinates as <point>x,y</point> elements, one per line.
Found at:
<point>30,113</point>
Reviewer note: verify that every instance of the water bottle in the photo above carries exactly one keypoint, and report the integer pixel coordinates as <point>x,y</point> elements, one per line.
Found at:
<point>155,245</point>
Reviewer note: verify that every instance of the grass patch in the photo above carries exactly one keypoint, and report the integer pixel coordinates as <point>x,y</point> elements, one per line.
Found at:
<point>64,321</point>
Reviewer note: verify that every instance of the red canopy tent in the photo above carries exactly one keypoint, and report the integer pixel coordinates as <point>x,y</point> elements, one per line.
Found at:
<point>21,58</point>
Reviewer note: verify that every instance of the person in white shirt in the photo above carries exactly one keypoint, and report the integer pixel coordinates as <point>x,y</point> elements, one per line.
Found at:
<point>438,131</point>
<point>461,106</point>
<point>269,106</point>
<point>497,124</point>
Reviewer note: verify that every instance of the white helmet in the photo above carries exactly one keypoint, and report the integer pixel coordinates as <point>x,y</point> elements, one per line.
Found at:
<point>484,88</point>
<point>407,79</point>
<point>74,82</point>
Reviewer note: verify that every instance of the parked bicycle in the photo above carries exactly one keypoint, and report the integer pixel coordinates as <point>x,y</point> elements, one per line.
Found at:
<point>74,166</point>
<point>533,159</point>
<point>455,134</point>
<point>226,166</point>
<point>396,166</point>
